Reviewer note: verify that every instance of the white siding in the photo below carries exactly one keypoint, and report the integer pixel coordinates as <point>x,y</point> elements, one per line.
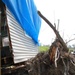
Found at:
<point>23,46</point>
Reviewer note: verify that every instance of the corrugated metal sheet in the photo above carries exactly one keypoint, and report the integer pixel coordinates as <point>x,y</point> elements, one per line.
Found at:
<point>23,46</point>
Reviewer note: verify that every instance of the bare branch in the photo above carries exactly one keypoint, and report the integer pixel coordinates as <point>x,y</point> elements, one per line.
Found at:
<point>70,40</point>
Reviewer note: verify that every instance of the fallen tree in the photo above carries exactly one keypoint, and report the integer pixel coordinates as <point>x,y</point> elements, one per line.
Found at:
<point>65,49</point>
<point>56,61</point>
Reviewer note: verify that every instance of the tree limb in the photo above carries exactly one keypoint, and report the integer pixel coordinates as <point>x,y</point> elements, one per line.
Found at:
<point>55,31</point>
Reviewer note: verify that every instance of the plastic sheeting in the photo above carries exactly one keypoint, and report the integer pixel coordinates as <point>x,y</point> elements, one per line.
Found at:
<point>25,13</point>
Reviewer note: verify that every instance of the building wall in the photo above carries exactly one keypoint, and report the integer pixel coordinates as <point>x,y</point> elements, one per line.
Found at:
<point>23,46</point>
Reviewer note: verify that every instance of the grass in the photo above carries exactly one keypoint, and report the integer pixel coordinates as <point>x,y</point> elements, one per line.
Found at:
<point>43,48</point>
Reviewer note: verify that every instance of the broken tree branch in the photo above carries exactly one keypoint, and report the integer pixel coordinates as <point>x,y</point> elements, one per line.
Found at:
<point>55,31</point>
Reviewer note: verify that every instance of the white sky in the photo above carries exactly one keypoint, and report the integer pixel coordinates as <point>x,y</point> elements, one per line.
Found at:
<point>54,10</point>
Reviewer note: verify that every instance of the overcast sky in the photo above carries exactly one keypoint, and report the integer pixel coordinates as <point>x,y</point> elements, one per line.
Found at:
<point>54,10</point>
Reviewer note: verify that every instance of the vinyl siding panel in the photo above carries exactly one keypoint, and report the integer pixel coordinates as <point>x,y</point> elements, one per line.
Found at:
<point>23,46</point>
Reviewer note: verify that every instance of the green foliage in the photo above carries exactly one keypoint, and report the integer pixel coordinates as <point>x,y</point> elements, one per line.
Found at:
<point>43,48</point>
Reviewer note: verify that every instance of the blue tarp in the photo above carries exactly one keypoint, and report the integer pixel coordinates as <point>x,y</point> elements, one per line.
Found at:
<point>25,13</point>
